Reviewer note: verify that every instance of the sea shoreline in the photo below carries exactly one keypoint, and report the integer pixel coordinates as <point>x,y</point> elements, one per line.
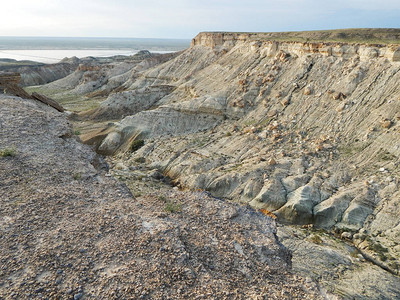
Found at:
<point>54,56</point>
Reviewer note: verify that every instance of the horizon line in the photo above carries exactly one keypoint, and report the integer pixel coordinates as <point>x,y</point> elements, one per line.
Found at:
<point>91,37</point>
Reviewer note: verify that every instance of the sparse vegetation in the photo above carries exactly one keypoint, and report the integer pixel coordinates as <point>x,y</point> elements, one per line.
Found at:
<point>170,206</point>
<point>173,207</point>
<point>386,156</point>
<point>8,152</point>
<point>201,141</point>
<point>351,149</point>
<point>162,198</point>
<point>353,35</point>
<point>77,176</point>
<point>140,160</point>
<point>136,145</point>
<point>316,239</point>
<point>77,132</point>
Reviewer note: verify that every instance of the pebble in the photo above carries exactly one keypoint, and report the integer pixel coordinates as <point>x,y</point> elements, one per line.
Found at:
<point>346,235</point>
<point>78,296</point>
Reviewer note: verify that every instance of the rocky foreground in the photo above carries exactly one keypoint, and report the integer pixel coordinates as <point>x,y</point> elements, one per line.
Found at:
<point>69,230</point>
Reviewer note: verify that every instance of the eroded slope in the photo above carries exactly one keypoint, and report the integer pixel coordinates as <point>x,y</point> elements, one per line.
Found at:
<point>68,229</point>
<point>308,131</point>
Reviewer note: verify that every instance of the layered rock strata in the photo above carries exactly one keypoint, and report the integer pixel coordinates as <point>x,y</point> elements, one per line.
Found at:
<point>305,130</point>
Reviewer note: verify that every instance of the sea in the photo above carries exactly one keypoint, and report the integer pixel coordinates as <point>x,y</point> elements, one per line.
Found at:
<point>54,49</point>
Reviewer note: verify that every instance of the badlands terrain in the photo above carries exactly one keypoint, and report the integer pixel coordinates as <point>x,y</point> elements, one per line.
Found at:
<point>301,129</point>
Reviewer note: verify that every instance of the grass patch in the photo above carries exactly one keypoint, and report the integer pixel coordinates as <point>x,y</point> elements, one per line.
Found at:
<point>8,152</point>
<point>386,156</point>
<point>266,121</point>
<point>172,207</point>
<point>250,122</point>
<point>200,142</point>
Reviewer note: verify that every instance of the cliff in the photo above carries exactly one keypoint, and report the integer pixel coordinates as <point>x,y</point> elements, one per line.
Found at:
<point>226,41</point>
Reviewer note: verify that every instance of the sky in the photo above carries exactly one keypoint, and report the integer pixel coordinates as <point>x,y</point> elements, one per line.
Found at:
<point>184,19</point>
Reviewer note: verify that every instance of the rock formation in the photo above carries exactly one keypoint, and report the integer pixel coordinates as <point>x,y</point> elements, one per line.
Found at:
<point>9,84</point>
<point>307,131</point>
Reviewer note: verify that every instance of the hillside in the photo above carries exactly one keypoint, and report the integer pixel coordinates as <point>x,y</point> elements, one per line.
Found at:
<point>69,230</point>
<point>307,130</point>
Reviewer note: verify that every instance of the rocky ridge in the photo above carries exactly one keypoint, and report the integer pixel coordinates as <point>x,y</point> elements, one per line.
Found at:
<point>39,73</point>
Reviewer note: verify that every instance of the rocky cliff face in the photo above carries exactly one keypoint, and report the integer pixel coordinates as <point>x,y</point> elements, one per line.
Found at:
<point>307,131</point>
<point>311,101</point>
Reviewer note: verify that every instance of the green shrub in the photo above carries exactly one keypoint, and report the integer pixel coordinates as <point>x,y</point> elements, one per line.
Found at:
<point>136,145</point>
<point>8,152</point>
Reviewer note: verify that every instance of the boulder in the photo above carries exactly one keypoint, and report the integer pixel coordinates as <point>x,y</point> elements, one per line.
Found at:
<point>271,197</point>
<point>299,206</point>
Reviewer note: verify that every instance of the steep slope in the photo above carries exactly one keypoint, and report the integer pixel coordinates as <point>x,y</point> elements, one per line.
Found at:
<point>308,131</point>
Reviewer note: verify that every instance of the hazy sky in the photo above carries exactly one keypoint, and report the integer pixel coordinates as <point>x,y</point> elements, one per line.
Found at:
<point>184,19</point>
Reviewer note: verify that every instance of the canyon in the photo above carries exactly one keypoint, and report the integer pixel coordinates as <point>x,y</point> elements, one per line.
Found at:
<point>306,132</point>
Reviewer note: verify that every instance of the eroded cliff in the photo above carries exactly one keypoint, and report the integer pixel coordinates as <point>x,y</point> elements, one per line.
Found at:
<point>306,130</point>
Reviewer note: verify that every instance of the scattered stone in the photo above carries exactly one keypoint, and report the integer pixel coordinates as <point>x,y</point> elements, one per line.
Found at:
<point>386,123</point>
<point>346,235</point>
<point>308,90</point>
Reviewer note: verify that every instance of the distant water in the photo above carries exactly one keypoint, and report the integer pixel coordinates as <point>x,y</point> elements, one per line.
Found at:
<point>54,56</point>
<point>52,50</point>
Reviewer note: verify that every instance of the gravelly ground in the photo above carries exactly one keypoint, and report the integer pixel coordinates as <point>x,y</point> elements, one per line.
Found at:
<point>68,230</point>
